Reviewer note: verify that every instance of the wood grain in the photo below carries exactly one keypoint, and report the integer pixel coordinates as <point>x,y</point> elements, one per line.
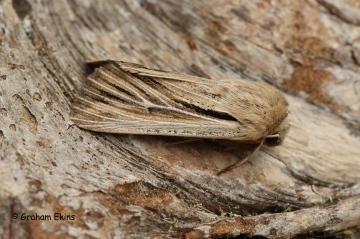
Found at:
<point>120,186</point>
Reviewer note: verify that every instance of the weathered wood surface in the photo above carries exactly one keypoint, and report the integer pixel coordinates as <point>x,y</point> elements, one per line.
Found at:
<point>119,186</point>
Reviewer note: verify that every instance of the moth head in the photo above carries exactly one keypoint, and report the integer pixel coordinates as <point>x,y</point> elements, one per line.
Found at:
<point>278,135</point>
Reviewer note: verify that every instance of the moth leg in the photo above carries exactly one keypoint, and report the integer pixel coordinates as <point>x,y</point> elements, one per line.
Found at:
<point>241,161</point>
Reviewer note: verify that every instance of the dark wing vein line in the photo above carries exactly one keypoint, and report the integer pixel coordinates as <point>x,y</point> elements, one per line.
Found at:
<point>124,84</point>
<point>105,106</point>
<point>132,89</point>
<point>113,92</point>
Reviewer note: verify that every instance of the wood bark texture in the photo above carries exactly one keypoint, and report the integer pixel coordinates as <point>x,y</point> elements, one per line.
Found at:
<point>123,186</point>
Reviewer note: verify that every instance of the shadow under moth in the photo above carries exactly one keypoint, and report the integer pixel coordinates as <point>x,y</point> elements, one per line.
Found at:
<point>127,98</point>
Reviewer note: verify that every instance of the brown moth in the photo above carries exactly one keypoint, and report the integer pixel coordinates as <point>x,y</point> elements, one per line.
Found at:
<point>127,98</point>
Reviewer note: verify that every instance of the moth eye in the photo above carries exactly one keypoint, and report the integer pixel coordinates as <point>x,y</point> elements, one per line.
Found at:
<point>273,141</point>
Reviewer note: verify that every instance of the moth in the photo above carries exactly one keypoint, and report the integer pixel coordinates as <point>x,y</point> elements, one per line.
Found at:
<point>127,98</point>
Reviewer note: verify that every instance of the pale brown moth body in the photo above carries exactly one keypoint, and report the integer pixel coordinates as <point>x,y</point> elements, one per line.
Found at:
<point>128,98</point>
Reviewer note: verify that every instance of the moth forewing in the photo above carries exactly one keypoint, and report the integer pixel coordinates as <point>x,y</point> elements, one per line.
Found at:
<point>128,98</point>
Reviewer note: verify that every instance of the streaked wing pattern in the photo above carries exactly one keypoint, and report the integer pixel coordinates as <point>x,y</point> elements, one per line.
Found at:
<point>130,99</point>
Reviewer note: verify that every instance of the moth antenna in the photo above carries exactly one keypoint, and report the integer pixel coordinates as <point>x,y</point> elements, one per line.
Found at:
<point>241,161</point>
